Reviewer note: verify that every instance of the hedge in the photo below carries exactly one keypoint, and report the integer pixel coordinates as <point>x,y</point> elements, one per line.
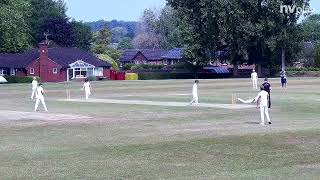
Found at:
<point>303,69</point>
<point>18,79</point>
<point>159,76</point>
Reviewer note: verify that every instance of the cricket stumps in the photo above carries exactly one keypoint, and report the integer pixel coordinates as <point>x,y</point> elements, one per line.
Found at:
<point>234,98</point>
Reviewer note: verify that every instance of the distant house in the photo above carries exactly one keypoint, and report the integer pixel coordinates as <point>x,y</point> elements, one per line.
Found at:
<point>54,64</point>
<point>148,56</point>
<point>174,56</point>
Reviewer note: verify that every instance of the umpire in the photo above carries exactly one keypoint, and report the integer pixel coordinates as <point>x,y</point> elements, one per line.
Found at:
<point>267,87</point>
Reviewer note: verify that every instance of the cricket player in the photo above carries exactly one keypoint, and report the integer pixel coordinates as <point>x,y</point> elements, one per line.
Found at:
<point>195,99</point>
<point>34,86</point>
<point>87,88</point>
<point>254,78</point>
<point>263,97</point>
<point>267,87</point>
<point>283,79</point>
<point>40,97</point>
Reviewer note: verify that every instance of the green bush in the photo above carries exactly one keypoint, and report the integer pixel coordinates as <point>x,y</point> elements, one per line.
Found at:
<point>303,69</point>
<point>18,79</point>
<point>147,67</point>
<point>127,67</point>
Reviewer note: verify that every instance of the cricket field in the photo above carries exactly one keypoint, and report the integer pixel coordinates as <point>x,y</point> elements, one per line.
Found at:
<point>147,130</point>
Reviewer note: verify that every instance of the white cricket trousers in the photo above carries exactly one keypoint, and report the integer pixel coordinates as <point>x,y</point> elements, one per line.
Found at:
<point>255,83</point>
<point>195,99</point>
<point>33,92</point>
<point>42,102</point>
<point>88,93</point>
<point>264,111</point>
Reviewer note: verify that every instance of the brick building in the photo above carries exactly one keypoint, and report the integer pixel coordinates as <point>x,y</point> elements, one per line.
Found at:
<point>54,64</point>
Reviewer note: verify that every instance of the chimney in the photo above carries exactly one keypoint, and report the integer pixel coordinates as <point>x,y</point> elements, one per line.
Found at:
<point>43,51</point>
<point>43,58</point>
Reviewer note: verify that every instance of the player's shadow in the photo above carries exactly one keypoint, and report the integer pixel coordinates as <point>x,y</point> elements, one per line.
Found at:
<point>252,123</point>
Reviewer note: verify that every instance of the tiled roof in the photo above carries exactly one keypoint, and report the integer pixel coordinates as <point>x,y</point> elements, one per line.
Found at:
<point>66,56</point>
<point>62,56</point>
<point>129,55</point>
<point>150,54</point>
<point>176,53</point>
<point>19,60</point>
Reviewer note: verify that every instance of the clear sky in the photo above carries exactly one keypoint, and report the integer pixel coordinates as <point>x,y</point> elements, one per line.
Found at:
<point>93,10</point>
<point>129,10</point>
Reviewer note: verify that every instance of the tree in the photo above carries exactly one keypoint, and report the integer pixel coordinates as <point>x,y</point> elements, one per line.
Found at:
<point>81,35</point>
<point>101,40</point>
<point>118,33</point>
<point>60,29</point>
<point>14,29</point>
<point>160,29</point>
<point>108,59</point>
<point>311,28</point>
<point>125,43</point>
<point>317,56</point>
<point>251,31</point>
<point>43,14</point>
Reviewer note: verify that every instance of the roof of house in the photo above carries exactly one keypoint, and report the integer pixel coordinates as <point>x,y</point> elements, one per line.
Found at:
<point>67,56</point>
<point>18,60</point>
<point>62,56</point>
<point>176,53</point>
<point>217,69</point>
<point>150,54</point>
<point>129,55</point>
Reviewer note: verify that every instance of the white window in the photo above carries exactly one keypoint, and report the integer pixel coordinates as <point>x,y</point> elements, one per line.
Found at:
<point>12,72</point>
<point>55,70</point>
<point>31,70</point>
<point>98,71</point>
<point>3,72</point>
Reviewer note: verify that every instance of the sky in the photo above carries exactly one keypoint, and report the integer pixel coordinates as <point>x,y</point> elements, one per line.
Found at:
<point>93,10</point>
<point>128,10</point>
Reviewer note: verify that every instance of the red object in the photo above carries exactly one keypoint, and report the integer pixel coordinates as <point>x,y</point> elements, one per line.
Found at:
<point>121,76</point>
<point>113,75</point>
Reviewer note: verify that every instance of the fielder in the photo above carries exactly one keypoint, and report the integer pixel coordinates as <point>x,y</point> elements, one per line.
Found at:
<point>254,78</point>
<point>283,79</point>
<point>40,97</point>
<point>263,97</point>
<point>34,86</point>
<point>87,88</point>
<point>195,99</point>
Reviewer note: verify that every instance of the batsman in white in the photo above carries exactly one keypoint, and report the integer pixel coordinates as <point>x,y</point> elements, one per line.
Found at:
<point>195,97</point>
<point>40,97</point>
<point>254,78</point>
<point>263,98</point>
<point>87,88</point>
<point>34,86</point>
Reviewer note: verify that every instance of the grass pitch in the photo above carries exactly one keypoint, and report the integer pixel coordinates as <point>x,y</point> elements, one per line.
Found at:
<point>94,140</point>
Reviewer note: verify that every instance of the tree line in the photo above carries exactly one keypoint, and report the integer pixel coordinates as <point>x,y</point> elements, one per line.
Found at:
<point>253,32</point>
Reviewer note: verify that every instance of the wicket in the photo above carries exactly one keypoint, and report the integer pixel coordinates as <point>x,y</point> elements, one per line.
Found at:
<point>234,98</point>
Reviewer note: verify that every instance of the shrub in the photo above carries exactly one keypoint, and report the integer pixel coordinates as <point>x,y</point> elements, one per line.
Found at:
<point>303,69</point>
<point>127,67</point>
<point>18,79</point>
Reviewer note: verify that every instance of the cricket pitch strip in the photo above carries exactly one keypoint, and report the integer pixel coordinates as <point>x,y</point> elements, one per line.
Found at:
<point>160,103</point>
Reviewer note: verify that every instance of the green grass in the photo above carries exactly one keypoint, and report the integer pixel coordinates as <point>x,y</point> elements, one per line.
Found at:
<point>155,142</point>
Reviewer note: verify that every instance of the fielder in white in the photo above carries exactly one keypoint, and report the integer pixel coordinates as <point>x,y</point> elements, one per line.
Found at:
<point>40,97</point>
<point>34,86</point>
<point>263,98</point>
<point>195,99</point>
<point>87,88</point>
<point>254,78</point>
